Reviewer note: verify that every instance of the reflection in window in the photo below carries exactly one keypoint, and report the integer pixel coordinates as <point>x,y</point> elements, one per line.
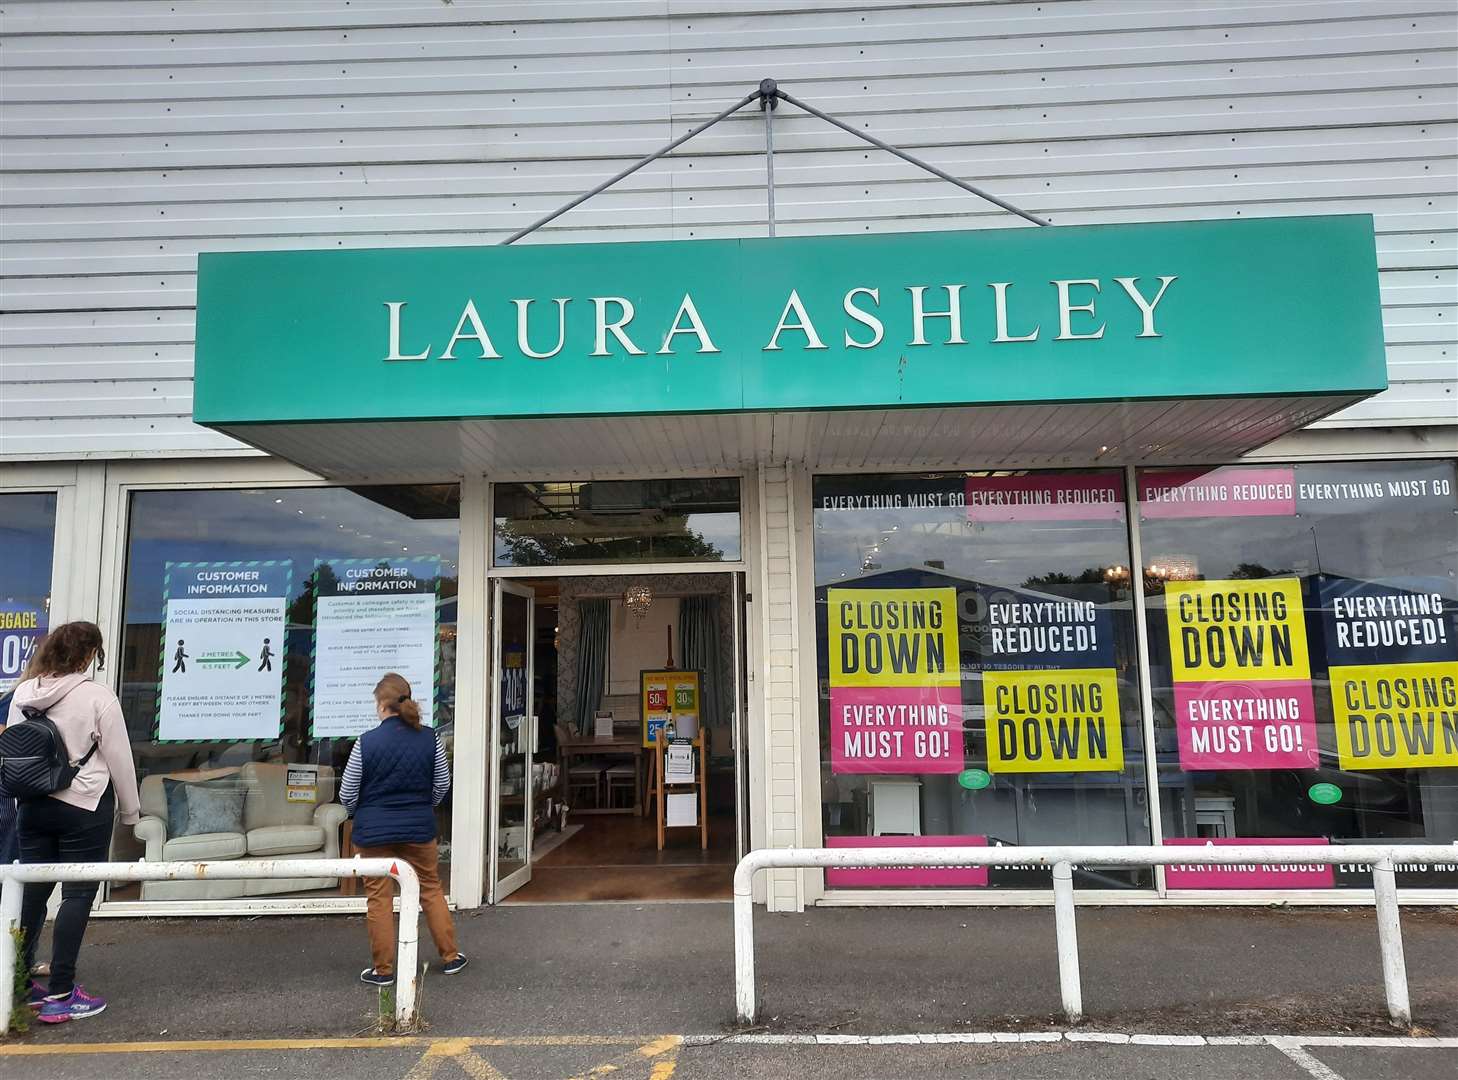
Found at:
<point>1028,732</point>
<point>1304,656</point>
<point>605,521</point>
<point>27,539</point>
<point>307,558</point>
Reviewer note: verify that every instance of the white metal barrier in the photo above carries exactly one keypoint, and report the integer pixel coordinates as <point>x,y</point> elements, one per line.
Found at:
<point>1381,858</point>
<point>14,876</point>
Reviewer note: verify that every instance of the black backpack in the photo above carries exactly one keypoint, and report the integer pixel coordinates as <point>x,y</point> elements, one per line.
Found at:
<point>33,760</point>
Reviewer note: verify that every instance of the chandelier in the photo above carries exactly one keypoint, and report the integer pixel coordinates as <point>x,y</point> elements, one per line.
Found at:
<point>638,599</point>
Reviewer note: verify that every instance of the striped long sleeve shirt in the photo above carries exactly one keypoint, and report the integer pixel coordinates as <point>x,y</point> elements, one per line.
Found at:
<point>354,773</point>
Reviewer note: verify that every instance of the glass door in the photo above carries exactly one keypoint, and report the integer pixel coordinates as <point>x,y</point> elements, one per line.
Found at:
<point>513,739</point>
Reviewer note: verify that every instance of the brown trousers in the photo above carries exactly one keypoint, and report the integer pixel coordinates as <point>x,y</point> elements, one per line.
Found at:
<point>380,893</point>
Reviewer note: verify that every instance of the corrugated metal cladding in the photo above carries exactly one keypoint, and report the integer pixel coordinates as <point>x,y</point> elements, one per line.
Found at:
<point>138,133</point>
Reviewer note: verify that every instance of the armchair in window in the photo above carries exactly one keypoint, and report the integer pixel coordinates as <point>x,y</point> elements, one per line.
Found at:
<point>271,819</point>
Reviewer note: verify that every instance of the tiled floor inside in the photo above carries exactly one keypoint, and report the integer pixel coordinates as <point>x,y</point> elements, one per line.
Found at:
<point>616,857</point>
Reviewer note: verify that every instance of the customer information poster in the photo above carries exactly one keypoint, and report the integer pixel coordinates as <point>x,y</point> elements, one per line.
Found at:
<point>1393,656</point>
<point>372,616</point>
<point>223,650</point>
<point>1242,678</point>
<point>895,681</point>
<point>21,627</point>
<point>1050,693</point>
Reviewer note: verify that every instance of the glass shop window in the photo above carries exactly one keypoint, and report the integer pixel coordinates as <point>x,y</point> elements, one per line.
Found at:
<point>257,622</point>
<point>27,538</point>
<point>977,678</point>
<point>1304,659</point>
<point>617,521</point>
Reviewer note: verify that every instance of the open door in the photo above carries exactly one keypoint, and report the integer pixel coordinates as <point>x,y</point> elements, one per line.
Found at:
<point>740,728</point>
<point>513,740</point>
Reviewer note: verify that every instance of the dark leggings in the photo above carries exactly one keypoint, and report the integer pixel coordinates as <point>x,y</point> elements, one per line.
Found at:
<point>53,831</point>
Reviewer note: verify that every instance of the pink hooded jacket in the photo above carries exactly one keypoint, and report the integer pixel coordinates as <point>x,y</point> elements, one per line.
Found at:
<point>82,709</point>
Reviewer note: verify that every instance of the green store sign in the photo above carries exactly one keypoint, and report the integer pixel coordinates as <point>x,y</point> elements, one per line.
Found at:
<point>1273,307</point>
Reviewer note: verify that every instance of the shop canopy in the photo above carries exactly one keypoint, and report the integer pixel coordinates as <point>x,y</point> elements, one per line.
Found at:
<point>1155,343</point>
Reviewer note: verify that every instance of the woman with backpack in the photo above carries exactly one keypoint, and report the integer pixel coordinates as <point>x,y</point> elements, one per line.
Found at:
<point>395,778</point>
<point>74,822</point>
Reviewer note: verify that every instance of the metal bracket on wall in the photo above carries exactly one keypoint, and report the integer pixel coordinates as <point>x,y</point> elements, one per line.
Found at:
<point>769,95</point>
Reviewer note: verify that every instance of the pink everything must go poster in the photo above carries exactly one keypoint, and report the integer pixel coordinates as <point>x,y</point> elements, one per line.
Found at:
<point>1242,679</point>
<point>895,681</point>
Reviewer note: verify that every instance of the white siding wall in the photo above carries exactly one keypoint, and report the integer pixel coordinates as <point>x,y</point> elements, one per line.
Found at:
<point>136,134</point>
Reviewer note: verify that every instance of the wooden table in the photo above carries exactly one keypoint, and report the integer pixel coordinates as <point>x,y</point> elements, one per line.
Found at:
<point>627,745</point>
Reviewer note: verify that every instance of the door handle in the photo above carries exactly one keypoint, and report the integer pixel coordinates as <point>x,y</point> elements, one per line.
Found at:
<point>535,729</point>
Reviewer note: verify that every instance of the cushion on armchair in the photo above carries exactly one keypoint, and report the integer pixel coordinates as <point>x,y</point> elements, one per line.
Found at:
<point>202,807</point>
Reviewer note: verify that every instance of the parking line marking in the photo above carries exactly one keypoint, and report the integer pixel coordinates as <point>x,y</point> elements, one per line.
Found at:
<point>1305,1059</point>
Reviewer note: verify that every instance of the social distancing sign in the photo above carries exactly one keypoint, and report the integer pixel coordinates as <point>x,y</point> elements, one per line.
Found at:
<point>1396,716</point>
<point>1053,721</point>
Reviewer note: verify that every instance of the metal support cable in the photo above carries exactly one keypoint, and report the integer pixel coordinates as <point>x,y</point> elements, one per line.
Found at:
<point>904,156</point>
<point>768,94</point>
<point>631,169</point>
<point>769,99</point>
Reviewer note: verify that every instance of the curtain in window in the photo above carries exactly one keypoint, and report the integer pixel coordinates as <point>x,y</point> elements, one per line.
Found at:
<point>699,644</point>
<point>592,655</point>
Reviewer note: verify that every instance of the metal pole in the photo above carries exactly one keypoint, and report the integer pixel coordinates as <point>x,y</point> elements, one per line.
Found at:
<point>1389,936</point>
<point>744,1004</point>
<point>1153,806</point>
<point>769,97</point>
<point>904,156</point>
<point>631,169</point>
<point>10,893</point>
<point>407,962</point>
<point>1066,927</point>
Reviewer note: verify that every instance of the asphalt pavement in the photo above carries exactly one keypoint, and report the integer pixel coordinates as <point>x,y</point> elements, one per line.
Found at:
<point>564,990</point>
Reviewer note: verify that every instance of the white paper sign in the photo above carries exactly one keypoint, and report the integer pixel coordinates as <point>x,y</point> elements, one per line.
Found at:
<point>682,810</point>
<point>223,650</point>
<point>372,616</point>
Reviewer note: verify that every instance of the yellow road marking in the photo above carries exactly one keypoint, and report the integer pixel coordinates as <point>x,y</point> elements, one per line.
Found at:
<point>458,1051</point>
<point>368,1043</point>
<point>667,1044</point>
<point>207,1045</point>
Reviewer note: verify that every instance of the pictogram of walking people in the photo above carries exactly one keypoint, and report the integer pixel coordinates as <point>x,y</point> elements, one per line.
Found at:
<point>265,658</point>
<point>179,659</point>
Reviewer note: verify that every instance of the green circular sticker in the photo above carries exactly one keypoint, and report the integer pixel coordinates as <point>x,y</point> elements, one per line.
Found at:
<point>974,779</point>
<point>1325,794</point>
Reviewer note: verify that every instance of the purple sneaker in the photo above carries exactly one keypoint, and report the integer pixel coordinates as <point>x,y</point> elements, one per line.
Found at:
<point>37,995</point>
<point>75,1005</point>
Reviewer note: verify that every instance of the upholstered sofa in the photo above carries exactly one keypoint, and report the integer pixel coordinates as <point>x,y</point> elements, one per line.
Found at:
<point>274,827</point>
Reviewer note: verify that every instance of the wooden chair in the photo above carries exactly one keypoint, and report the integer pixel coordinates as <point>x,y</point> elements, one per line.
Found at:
<point>584,774</point>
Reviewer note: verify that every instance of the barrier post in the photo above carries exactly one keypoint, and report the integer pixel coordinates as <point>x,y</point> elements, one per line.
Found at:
<point>744,1004</point>
<point>11,891</point>
<point>1389,936</point>
<point>407,951</point>
<point>1066,926</point>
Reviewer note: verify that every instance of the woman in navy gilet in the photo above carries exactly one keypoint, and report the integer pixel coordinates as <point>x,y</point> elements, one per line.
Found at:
<point>397,775</point>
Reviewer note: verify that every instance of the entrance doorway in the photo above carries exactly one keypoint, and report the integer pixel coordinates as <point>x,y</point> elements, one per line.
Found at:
<point>576,813</point>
